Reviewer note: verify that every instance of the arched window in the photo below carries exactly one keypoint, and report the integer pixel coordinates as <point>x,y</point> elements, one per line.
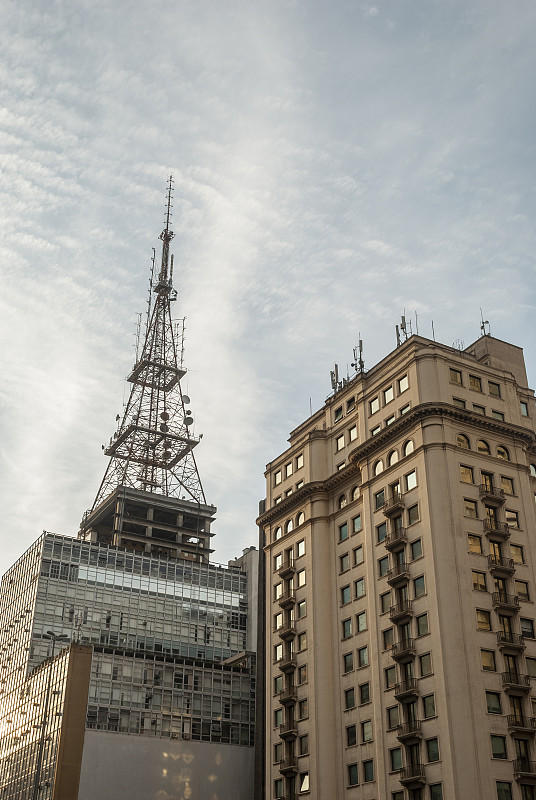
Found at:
<point>532,468</point>
<point>356,493</point>
<point>378,467</point>
<point>277,533</point>
<point>342,501</point>
<point>503,453</point>
<point>288,526</point>
<point>300,519</point>
<point>483,447</point>
<point>463,441</point>
<point>409,447</point>
<point>392,458</point>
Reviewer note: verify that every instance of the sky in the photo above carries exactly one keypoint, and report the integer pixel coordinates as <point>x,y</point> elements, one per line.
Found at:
<point>336,164</point>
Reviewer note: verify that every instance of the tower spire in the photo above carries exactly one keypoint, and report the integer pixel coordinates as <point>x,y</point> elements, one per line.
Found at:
<point>152,448</point>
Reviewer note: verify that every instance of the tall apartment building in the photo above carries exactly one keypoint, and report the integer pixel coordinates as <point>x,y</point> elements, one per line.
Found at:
<point>400,569</point>
<point>127,658</point>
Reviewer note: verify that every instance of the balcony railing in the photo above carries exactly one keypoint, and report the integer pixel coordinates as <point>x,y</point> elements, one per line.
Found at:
<point>286,568</point>
<point>398,574</point>
<point>491,493</point>
<point>287,630</point>
<point>287,663</point>
<point>288,696</point>
<point>509,639</point>
<point>394,504</point>
<point>409,730</point>
<point>287,599</point>
<point>500,564</point>
<point>288,730</point>
<point>513,680</point>
<point>509,601</point>
<point>496,529</point>
<point>522,766</point>
<point>395,539</point>
<point>520,723</point>
<point>413,773</point>
<point>288,765</point>
<point>403,649</point>
<point>407,688</point>
<point>401,610</point>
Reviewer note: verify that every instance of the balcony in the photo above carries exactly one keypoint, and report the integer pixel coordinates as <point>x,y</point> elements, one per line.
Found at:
<point>501,566</point>
<point>287,599</point>
<point>403,650</point>
<point>510,641</point>
<point>287,630</point>
<point>514,682</point>
<point>396,539</point>
<point>394,505</point>
<point>288,730</point>
<point>402,611</point>
<point>496,530</point>
<point>288,697</point>
<point>398,575</point>
<point>287,568</point>
<point>517,723</point>
<point>490,494</point>
<point>407,690</point>
<point>287,664</point>
<point>412,776</point>
<point>409,731</point>
<point>523,768</point>
<point>505,602</point>
<point>288,766</point>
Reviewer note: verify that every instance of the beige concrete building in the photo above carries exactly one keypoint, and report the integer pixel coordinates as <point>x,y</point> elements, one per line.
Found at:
<point>400,567</point>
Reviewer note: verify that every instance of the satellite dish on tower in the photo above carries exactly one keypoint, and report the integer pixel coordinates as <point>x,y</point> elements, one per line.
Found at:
<point>164,415</point>
<point>188,420</point>
<point>186,400</point>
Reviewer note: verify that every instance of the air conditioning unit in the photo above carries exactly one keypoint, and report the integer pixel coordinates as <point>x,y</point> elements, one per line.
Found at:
<point>185,735</point>
<point>174,735</point>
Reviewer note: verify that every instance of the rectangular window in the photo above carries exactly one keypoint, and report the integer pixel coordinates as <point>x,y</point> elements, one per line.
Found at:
<point>349,698</point>
<point>498,746</point>
<point>504,790</point>
<point>358,555</point>
<point>366,731</point>
<point>375,430</point>
<point>278,717</point>
<point>470,508</point>
<point>494,389</point>
<point>344,562</point>
<point>395,757</point>
<point>303,709</point>
<point>531,667</point>
<point>302,675</point>
<point>479,410</point>
<point>278,621</point>
<point>527,627</point>
<point>302,642</point>
<point>405,409</point>
<point>345,594</point>
<point>278,788</point>
<point>351,735</point>
<point>390,420</point>
<point>300,548</point>
<point>299,484</point>
<point>419,588</point>
<point>368,770</point>
<point>278,752</point>
<point>353,777</point>
<point>413,514</point>
<point>348,662</point>
<point>392,717</point>
<point>359,587</point>
<point>475,383</point>
<point>474,543</point>
<point>343,532</point>
<point>350,404</point>
<point>388,637</point>
<point>483,620</point>
<point>337,414</point>
<point>303,783</point>
<point>383,566</point>
<point>303,744</point>
<point>288,469</point>
<point>432,749</point>
<point>299,461</point>
<point>411,480</point>
<point>517,554</point>
<point>512,518</point>
<point>498,415</point>
<point>455,376</point>
<point>479,581</point>
<point>340,442</point>
<point>416,549</point>
<point>361,620</point>
<point>524,408</point>
<point>362,656</point>
<point>374,405</point>
<point>278,652</point>
<point>346,625</point>
<point>379,500</point>
<point>356,523</point>
<point>300,577</point>
<point>278,590</point>
<point>466,474</point>
<point>388,395</point>
<point>302,609</point>
<point>278,684</point>
<point>428,706</point>
<point>385,602</point>
<point>522,590</point>
<point>352,433</point>
<point>390,677</point>
<point>493,702</point>
<point>278,477</point>
<point>422,624</point>
<point>425,664</point>
<point>381,532</point>
<point>488,660</point>
<point>403,384</point>
<point>364,694</point>
<point>458,402</point>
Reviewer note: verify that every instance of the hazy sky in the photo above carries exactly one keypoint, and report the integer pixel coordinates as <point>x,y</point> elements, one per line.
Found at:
<point>335,163</point>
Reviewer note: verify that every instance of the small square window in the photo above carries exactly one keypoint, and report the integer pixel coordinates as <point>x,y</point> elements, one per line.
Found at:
<point>498,746</point>
<point>364,694</point>
<point>455,376</point>
<point>348,662</point>
<point>358,555</point>
<point>470,508</point>
<point>383,566</point>
<point>349,698</point>
<point>362,657</point>
<point>494,389</point>
<point>393,717</point>
<point>488,660</point>
<point>479,410</point>
<point>299,484</point>
<point>493,702</point>
<point>374,405</point>
<point>403,384</point>
<point>475,383</point>
<point>422,625</point>
<point>366,731</point>
<point>483,620</point>
<point>474,543</point>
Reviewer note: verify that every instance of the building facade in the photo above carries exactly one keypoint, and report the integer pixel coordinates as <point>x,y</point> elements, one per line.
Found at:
<point>400,582</point>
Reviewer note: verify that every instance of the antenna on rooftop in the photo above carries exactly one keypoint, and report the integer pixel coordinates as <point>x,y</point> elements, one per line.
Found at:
<point>358,364</point>
<point>483,323</point>
<point>334,375</point>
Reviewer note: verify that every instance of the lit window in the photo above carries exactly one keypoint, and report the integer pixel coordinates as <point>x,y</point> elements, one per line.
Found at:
<point>352,433</point>
<point>278,477</point>
<point>503,453</point>
<point>432,749</point>
<point>488,660</point>
<point>479,410</point>
<point>422,625</point>
<point>278,652</point>
<point>358,555</point>
<point>356,523</point>
<point>348,662</point>
<point>494,389</point>
<point>278,621</point>
<point>479,581</point>
<point>362,656</point>
<point>470,508</point>
<point>483,620</point>
<point>366,731</point>
<point>411,480</point>
<point>403,384</point>
<point>353,777</point>
<point>299,461</point>
<point>463,441</point>
<point>388,395</point>
<point>343,532</point>
<point>498,746</point>
<point>374,405</point>
<point>392,458</point>
<point>455,376</point>
<point>288,469</point>
<point>524,408</point>
<point>466,474</point>
<point>475,383</point>
<point>474,543</point>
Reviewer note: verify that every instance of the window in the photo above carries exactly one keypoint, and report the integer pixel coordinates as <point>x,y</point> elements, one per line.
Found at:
<point>390,677</point>
<point>498,746</point>
<point>356,493</point>
<point>503,453</point>
<point>388,395</point>
<point>483,620</point>
<point>278,788</point>
<point>278,533</point>
<point>432,749</point>
<point>366,731</point>
<point>299,484</point>
<point>422,624</point>
<point>361,620</point>
<point>278,717</point>
<point>353,777</point>
<point>479,410</point>
<point>349,698</point>
<point>516,551</point>
<point>383,566</point>
<point>385,602</point>
<point>498,415</point>
<point>278,590</point>
<point>346,625</point>
<point>479,581</point>
<point>362,656</point>
<point>494,389</point>
<point>524,408</point>
<point>413,514</point>
<point>351,735</point>
<point>527,627</point>
<point>392,458</point>
<point>303,744</point>
<point>418,587</point>
<point>302,641</point>
<point>488,660</point>
<point>352,433</point>
<point>344,562</point>
<point>303,783</point>
<point>302,675</point>
<point>408,447</point>
<point>337,414</point>
<point>428,706</point>
<point>379,500</point>
<point>466,474</point>
<point>348,662</point>
<point>395,757</point>
<point>278,684</point>
<point>475,383</point>
<point>381,532</point>
<point>416,549</point>
<point>374,405</point>
<point>302,609</point>
<point>532,470</point>
<point>299,461</point>
<point>288,469</point>
<point>340,442</point>
<point>343,531</point>
<point>403,384</point>
<point>368,770</point>
<point>425,664</point>
<point>300,519</point>
<point>278,652</point>
<point>493,702</point>
<point>278,560</point>
<point>303,709</point>
<point>378,467</point>
<point>356,523</point>
<point>359,586</point>
<point>390,420</point>
<point>483,447</point>
<point>504,790</point>
<point>288,526</point>
<point>375,430</point>
<point>411,480</point>
<point>278,621</point>
<point>531,667</point>
<point>512,518</point>
<point>455,376</point>
<point>463,441</point>
<point>358,555</point>
<point>388,637</point>
<point>470,508</point>
<point>458,402</point>
<point>345,594</point>
<point>522,590</point>
<point>300,577</point>
<point>278,477</point>
<point>300,548</point>
<point>364,694</point>
<point>278,752</point>
<point>392,717</point>
<point>474,543</point>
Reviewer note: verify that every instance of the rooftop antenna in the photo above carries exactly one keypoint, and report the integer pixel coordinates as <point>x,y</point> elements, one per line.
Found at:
<point>403,326</point>
<point>397,329</point>
<point>358,364</point>
<point>416,324</point>
<point>334,375</point>
<point>433,331</point>
<point>483,323</point>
